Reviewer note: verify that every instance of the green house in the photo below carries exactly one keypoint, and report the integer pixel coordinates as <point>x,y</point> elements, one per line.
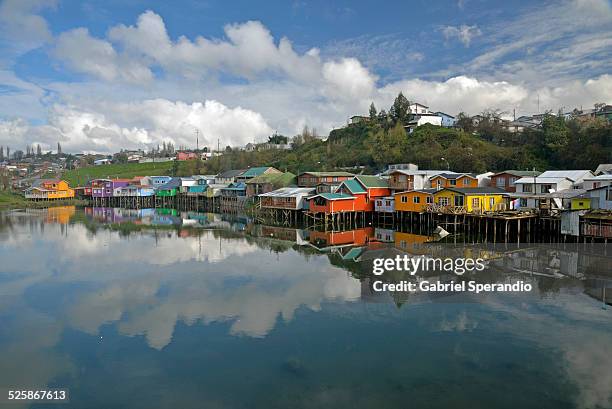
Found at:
<point>169,189</point>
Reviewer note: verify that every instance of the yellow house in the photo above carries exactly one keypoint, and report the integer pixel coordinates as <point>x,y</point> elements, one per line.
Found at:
<point>49,189</point>
<point>470,200</point>
<point>580,203</point>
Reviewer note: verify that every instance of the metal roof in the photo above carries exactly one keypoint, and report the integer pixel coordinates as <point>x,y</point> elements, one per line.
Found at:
<point>334,196</point>
<point>353,186</point>
<point>572,175</point>
<point>319,174</point>
<point>289,192</point>
<point>540,179</point>
<point>519,173</point>
<point>484,190</point>
<point>372,181</point>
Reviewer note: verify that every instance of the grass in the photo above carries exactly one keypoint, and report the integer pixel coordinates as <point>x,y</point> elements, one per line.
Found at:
<point>78,177</point>
<point>14,200</point>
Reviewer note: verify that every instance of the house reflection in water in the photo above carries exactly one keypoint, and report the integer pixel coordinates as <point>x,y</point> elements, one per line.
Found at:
<point>60,214</point>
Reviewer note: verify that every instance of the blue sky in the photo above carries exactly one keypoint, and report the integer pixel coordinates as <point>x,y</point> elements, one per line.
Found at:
<point>103,75</point>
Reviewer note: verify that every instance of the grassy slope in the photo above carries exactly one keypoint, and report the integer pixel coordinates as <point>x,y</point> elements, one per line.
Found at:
<point>14,200</point>
<point>80,176</point>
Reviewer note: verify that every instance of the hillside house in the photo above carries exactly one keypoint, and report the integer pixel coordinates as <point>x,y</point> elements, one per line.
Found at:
<point>506,180</point>
<point>422,119</point>
<point>448,121</point>
<point>186,155</point>
<point>312,179</point>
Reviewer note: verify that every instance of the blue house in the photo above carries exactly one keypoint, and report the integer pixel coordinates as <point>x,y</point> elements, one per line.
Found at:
<point>447,120</point>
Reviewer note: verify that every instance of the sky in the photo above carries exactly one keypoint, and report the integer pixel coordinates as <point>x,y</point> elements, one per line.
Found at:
<point>100,76</point>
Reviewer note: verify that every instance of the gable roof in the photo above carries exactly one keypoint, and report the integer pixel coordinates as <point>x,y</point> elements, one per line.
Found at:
<point>604,168</point>
<point>452,175</point>
<point>173,183</point>
<point>572,175</point>
<point>353,186</point>
<point>252,172</point>
<point>276,179</point>
<point>39,182</point>
<point>540,179</point>
<point>372,181</point>
<point>519,173</point>
<point>232,173</point>
<point>289,192</point>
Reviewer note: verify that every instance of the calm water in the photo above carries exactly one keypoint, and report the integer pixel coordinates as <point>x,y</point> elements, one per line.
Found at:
<point>127,311</point>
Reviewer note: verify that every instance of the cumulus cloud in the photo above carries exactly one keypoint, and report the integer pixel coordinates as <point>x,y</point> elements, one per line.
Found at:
<point>348,79</point>
<point>21,26</point>
<point>463,33</point>
<point>140,124</point>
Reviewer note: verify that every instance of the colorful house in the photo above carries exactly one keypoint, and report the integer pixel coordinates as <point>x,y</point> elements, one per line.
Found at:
<point>414,201</point>
<point>459,180</point>
<point>354,195</point>
<point>385,204</point>
<point>268,182</point>
<point>469,200</point>
<point>291,198</point>
<point>506,180</point>
<point>312,179</point>
<point>134,191</point>
<point>199,187</point>
<point>401,180</point>
<point>168,189</point>
<point>257,171</point>
<point>49,189</point>
<point>155,181</point>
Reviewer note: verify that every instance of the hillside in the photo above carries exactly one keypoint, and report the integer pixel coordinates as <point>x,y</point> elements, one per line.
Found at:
<point>80,176</point>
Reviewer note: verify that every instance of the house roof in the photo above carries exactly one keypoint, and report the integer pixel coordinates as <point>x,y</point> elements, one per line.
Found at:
<point>171,184</point>
<point>334,196</point>
<point>566,193</point>
<point>540,179</point>
<point>276,179</point>
<point>572,175</point>
<point>354,186</point>
<point>604,168</point>
<point>447,115</point>
<point>519,173</point>
<point>320,174</point>
<point>235,186</point>
<point>408,172</point>
<point>484,190</point>
<point>289,192</point>
<point>452,175</point>
<point>252,172</point>
<point>232,173</point>
<point>39,182</point>
<point>603,176</point>
<point>372,181</point>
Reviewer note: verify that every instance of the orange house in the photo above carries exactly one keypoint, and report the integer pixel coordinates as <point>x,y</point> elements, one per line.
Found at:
<point>49,189</point>
<point>355,195</point>
<point>453,180</point>
<point>414,201</point>
<point>357,237</point>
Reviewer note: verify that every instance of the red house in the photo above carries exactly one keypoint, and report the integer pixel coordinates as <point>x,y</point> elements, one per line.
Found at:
<point>354,195</point>
<point>505,180</point>
<point>312,179</point>
<point>185,155</point>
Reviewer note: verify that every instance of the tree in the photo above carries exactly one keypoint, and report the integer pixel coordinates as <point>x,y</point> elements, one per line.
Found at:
<point>372,112</point>
<point>464,122</point>
<point>556,133</point>
<point>38,151</point>
<point>1,153</point>
<point>399,109</point>
<point>388,146</point>
<point>8,153</point>
<point>59,149</point>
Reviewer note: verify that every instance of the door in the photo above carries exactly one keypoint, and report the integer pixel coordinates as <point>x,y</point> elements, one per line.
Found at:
<point>458,200</point>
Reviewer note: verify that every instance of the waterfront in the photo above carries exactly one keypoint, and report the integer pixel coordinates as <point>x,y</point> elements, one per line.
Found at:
<point>158,308</point>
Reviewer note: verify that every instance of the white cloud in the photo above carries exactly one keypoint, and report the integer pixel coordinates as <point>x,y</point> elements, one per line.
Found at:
<point>89,55</point>
<point>139,124</point>
<point>348,79</point>
<point>463,33</point>
<point>20,27</point>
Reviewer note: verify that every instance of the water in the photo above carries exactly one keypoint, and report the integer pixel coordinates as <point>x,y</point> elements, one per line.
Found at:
<point>128,311</point>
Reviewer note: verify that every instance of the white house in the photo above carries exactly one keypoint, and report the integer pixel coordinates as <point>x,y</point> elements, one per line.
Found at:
<point>416,108</point>
<point>422,119</point>
<point>597,181</point>
<point>576,176</point>
<point>541,184</point>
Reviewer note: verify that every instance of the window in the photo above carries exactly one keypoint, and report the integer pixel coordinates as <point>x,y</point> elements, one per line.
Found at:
<point>475,202</point>
<point>429,199</point>
<point>609,194</point>
<point>404,199</point>
<point>546,188</point>
<point>513,180</point>
<point>443,201</point>
<point>416,199</point>
<point>367,199</point>
<point>335,178</point>
<point>459,201</point>
<point>523,202</point>
<point>466,182</point>
<point>491,203</point>
<point>388,203</point>
<point>439,183</point>
<point>500,182</point>
<point>453,182</point>
<point>527,188</point>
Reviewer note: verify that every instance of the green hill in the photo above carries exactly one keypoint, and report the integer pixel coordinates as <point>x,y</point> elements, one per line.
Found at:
<point>80,176</point>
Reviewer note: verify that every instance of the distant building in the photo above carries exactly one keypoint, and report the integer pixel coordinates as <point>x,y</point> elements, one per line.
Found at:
<point>186,155</point>
<point>506,179</point>
<point>312,179</point>
<point>422,119</point>
<point>104,161</point>
<point>355,119</point>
